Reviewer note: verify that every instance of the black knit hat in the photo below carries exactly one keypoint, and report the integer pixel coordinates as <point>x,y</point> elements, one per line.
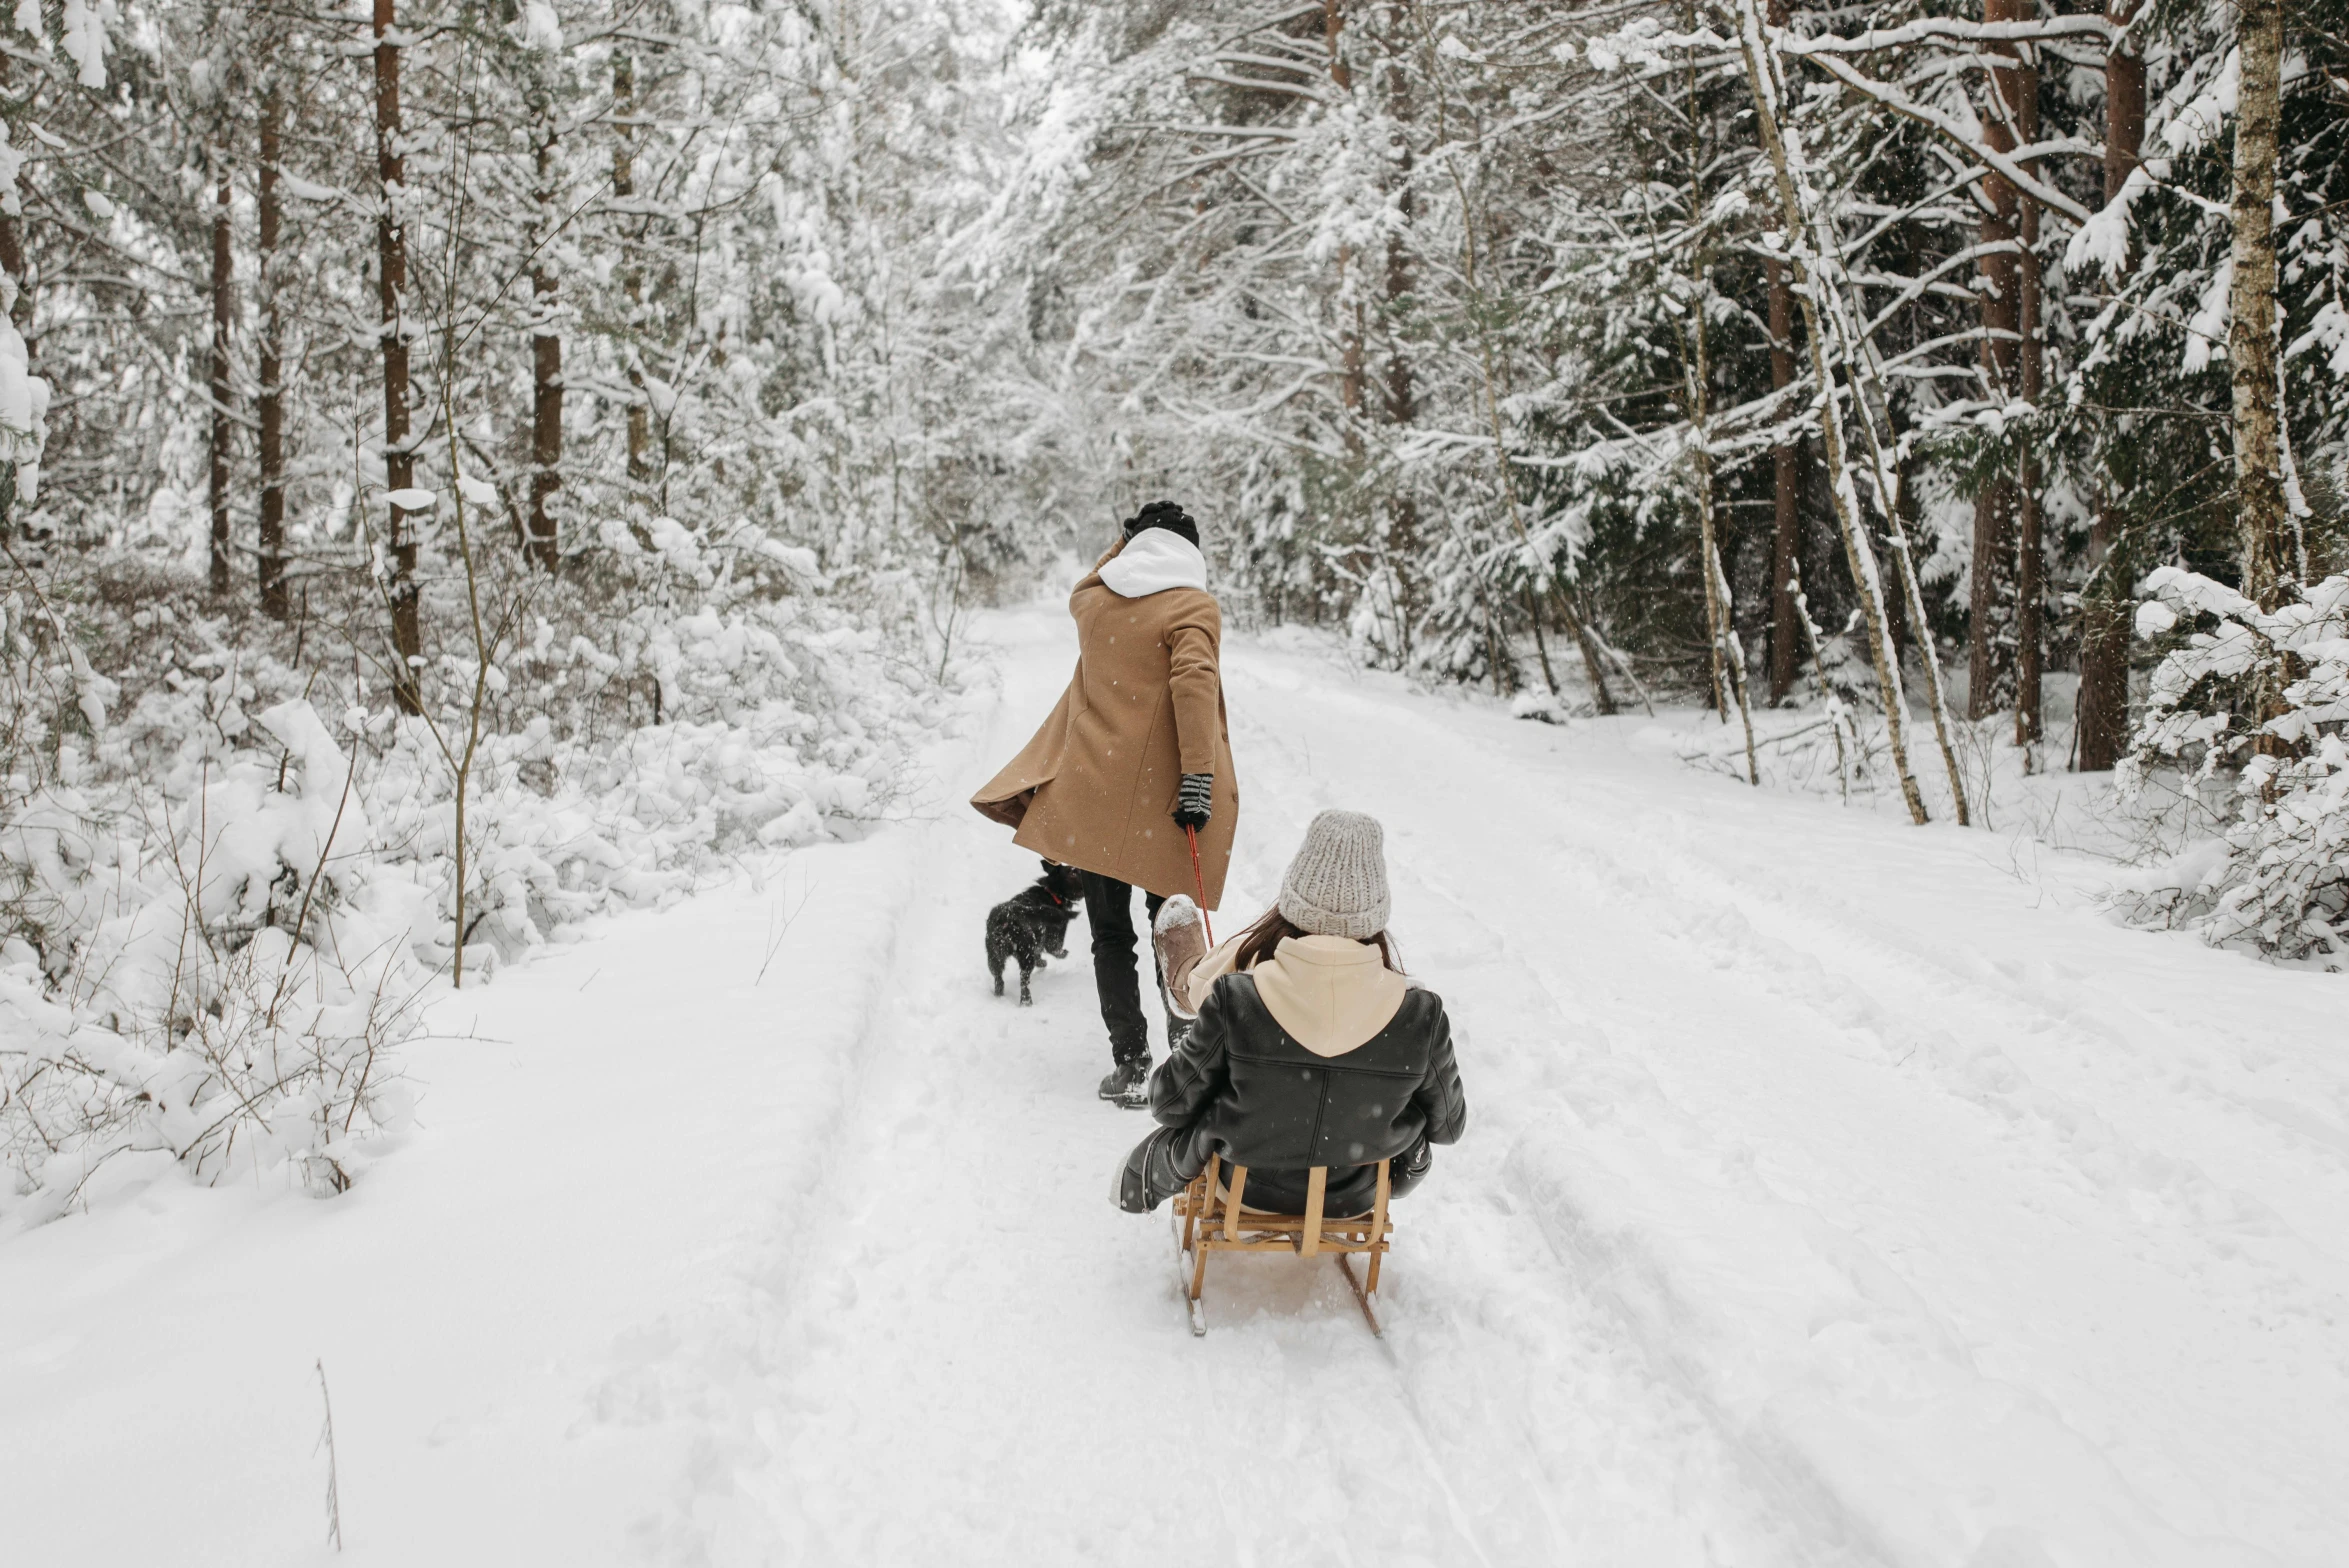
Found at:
<point>1168,515</point>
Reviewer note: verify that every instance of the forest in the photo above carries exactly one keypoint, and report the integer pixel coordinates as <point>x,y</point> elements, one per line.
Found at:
<point>472,465</point>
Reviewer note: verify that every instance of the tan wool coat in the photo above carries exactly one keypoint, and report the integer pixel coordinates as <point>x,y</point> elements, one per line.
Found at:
<point>1096,787</point>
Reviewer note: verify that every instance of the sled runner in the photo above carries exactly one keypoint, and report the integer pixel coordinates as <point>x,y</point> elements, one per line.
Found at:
<point>1210,1218</point>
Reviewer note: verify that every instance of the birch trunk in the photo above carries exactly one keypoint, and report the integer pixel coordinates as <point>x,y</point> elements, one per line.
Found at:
<point>546,366</point>
<point>1733,654</point>
<point>1819,285</point>
<point>1728,658</point>
<point>1696,345</point>
<point>1872,412</point>
<point>217,386</point>
<point>1785,489</point>
<point>1785,474</point>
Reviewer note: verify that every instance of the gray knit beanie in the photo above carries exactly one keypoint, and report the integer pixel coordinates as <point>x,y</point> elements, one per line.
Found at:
<point>1337,885</point>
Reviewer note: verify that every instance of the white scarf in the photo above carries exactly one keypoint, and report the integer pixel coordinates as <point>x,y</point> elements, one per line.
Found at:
<point>1152,561</point>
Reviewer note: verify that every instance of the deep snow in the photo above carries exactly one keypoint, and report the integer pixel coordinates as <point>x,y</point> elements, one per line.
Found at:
<point>1834,1192</point>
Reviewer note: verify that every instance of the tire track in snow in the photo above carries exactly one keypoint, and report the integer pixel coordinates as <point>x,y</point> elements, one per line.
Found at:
<point>1407,753</point>
<point>1824,958</point>
<point>1835,973</point>
<point>1275,803</point>
<point>968,1355</point>
<point>1831,1531</point>
<point>1833,945</point>
<point>2157,1206</point>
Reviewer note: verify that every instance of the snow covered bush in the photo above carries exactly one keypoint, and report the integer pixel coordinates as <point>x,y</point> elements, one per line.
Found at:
<point>2277,878</point>
<point>213,977</point>
<point>229,870</point>
<point>765,723</point>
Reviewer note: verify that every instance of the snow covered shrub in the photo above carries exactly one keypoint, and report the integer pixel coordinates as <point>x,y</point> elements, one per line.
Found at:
<point>48,691</point>
<point>775,723</point>
<point>223,908</point>
<point>2277,878</point>
<point>209,975</point>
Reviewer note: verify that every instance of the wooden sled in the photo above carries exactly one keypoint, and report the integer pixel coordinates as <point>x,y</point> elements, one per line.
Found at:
<point>1209,1218</point>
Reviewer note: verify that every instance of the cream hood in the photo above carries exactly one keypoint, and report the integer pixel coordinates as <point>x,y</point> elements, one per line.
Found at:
<point>1329,993</point>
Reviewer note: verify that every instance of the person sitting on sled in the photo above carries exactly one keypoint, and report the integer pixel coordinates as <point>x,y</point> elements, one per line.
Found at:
<point>1310,1047</point>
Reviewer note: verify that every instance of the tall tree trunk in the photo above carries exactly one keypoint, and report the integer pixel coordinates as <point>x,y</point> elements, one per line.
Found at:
<point>223,320</point>
<point>546,365</point>
<point>631,276</point>
<point>1896,605</point>
<point>20,309</point>
<point>12,258</point>
<point>1594,660</point>
<point>1541,644</point>
<point>272,392</point>
<point>20,304</point>
<point>1823,296</point>
<point>2251,340</point>
<point>2101,725</point>
<point>1917,618</point>
<point>2029,551</point>
<point>1720,607</point>
<point>399,457</point>
<point>1728,662</point>
<point>1786,474</point>
<point>1985,662</point>
<point>1401,395</point>
<point>1403,520</point>
<point>2001,319</point>
<point>1786,488</point>
<point>1352,373</point>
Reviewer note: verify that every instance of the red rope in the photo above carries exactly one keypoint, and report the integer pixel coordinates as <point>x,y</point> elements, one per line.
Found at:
<point>1199,880</point>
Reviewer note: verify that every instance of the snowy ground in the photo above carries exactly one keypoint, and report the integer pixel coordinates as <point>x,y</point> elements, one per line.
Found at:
<point>1834,1192</point>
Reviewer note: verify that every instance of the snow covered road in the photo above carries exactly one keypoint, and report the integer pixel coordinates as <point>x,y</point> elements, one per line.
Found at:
<point>1834,1192</point>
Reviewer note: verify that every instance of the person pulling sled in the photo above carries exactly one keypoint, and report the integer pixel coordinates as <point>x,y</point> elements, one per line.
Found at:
<point>1130,779</point>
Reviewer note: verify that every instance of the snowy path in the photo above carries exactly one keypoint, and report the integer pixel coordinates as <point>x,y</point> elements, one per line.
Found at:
<point>1834,1193</point>
<point>1011,1378</point>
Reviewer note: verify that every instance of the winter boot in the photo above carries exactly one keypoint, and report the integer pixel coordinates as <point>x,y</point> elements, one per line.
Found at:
<point>1146,1178</point>
<point>1128,1084</point>
<point>1181,936</point>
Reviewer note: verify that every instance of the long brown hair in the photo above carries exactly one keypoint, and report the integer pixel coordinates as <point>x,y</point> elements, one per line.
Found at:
<point>1260,940</point>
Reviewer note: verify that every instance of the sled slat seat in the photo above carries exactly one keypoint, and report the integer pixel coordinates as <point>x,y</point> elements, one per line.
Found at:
<point>1214,1217</point>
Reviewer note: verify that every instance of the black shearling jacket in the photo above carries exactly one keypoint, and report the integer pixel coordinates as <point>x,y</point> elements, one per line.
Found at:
<point>1241,1088</point>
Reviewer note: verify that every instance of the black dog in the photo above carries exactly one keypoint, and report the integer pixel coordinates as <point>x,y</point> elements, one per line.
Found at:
<point>1033,922</point>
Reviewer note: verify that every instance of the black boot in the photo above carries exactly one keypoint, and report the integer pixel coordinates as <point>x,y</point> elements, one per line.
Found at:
<point>1146,1178</point>
<point>1128,1083</point>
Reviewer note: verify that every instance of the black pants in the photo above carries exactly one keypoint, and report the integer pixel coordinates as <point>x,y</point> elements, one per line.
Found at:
<point>1109,910</point>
